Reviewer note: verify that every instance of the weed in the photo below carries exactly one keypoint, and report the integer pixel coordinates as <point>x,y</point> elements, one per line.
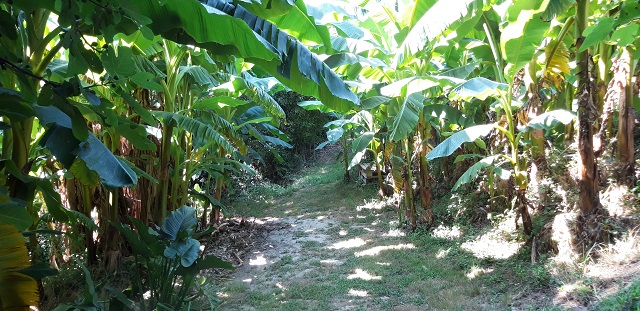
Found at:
<point>286,260</point>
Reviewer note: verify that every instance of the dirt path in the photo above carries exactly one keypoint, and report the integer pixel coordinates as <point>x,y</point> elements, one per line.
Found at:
<point>337,249</point>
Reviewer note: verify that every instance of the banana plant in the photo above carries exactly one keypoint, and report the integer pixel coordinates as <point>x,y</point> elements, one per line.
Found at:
<point>167,260</point>
<point>622,31</point>
<point>482,88</point>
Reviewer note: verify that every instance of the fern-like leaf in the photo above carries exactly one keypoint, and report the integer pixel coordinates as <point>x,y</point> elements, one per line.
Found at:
<point>197,128</point>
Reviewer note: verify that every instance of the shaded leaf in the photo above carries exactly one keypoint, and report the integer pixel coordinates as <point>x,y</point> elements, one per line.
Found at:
<point>182,219</point>
<point>449,145</point>
<point>39,271</point>
<point>474,171</point>
<point>549,120</point>
<point>16,215</point>
<point>213,262</point>
<point>359,147</point>
<point>186,250</point>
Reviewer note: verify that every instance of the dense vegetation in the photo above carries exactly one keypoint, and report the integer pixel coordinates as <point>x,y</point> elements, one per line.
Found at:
<point>123,122</point>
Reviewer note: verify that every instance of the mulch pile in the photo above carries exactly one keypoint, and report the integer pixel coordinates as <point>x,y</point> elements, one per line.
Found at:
<point>235,239</point>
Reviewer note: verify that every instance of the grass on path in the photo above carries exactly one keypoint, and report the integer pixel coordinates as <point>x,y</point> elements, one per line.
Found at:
<point>344,251</point>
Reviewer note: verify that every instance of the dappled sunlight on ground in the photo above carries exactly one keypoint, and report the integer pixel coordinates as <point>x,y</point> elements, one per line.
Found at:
<point>375,204</point>
<point>265,220</point>
<point>330,262</point>
<point>260,260</point>
<point>476,271</point>
<point>363,275</point>
<point>358,293</point>
<point>351,243</point>
<point>374,251</point>
<point>615,199</point>
<point>496,243</point>
<point>393,233</point>
<point>449,233</point>
<point>443,253</point>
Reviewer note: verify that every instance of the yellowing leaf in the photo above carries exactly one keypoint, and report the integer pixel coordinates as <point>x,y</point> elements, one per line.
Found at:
<point>17,291</point>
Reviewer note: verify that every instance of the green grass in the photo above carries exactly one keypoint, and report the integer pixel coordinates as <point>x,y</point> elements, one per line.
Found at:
<point>433,275</point>
<point>626,299</point>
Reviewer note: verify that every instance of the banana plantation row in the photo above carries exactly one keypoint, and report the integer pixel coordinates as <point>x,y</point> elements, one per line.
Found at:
<point>111,109</point>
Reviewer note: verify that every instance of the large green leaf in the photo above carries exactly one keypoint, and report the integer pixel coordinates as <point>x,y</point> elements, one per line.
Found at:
<point>479,88</point>
<point>14,214</point>
<point>12,105</point>
<point>53,201</point>
<point>259,96</point>
<point>302,26</point>
<point>59,139</point>
<point>448,114</point>
<point>461,72</point>
<point>121,65</point>
<point>211,262</point>
<point>474,171</point>
<point>630,11</point>
<point>148,236</point>
<point>334,134</point>
<point>218,101</point>
<point>137,246</point>
<point>268,9</point>
<point>340,59</point>
<point>188,21</point>
<point>625,35</point>
<point>186,251</point>
<point>359,147</point>
<point>374,101</point>
<point>198,75</point>
<point>417,84</point>
<point>436,18</point>
<point>523,33</point>
<point>597,32</point>
<point>405,115</point>
<point>314,105</point>
<point>39,271</point>
<point>549,120</point>
<point>299,68</point>
<point>349,30</point>
<point>180,220</point>
<point>449,145</point>
<point>555,8</point>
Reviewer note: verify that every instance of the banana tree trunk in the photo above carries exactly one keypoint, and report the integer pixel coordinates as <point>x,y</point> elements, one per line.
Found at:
<point>161,211</point>
<point>588,184</point>
<point>408,182</point>
<point>379,163</point>
<point>345,154</point>
<point>625,150</point>
<point>217,194</point>
<point>87,205</point>
<point>424,129</point>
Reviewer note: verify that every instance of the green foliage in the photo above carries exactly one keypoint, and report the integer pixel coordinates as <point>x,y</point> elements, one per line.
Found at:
<point>304,131</point>
<point>626,299</point>
<point>168,261</point>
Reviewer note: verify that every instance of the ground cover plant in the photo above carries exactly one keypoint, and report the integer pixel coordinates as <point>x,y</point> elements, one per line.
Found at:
<point>409,141</point>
